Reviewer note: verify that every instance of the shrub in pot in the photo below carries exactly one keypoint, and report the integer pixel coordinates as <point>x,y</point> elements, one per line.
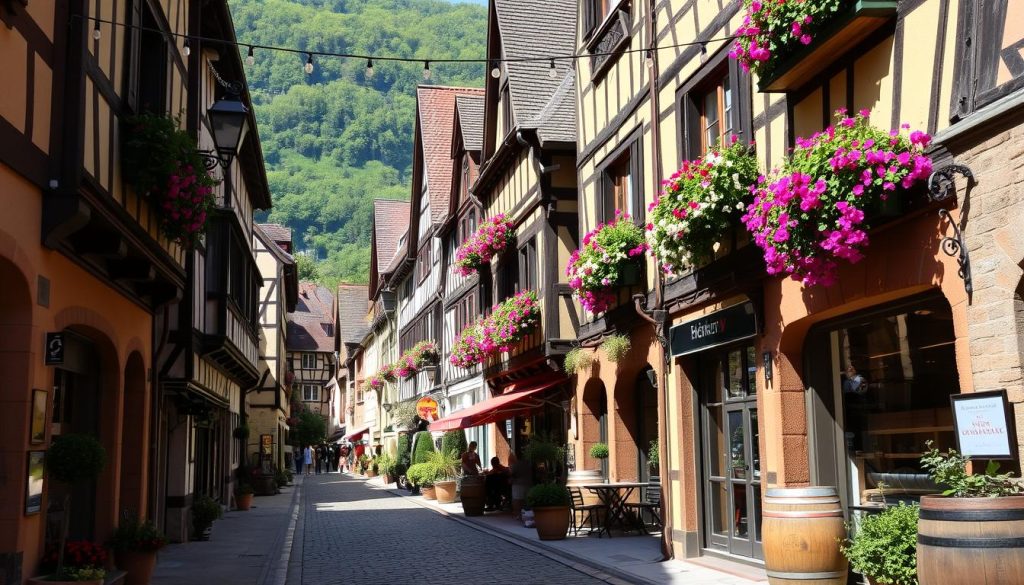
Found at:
<point>550,505</point>
<point>243,496</point>
<point>422,476</point>
<point>74,459</point>
<point>423,444</point>
<point>599,451</point>
<point>962,534</point>
<point>884,546</point>
<point>204,511</point>
<point>445,466</point>
<point>455,441</point>
<point>135,545</point>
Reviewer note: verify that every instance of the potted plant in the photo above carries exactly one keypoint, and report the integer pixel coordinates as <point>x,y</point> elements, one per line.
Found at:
<point>205,510</point>
<point>599,451</point>
<point>545,454</point>
<point>244,494</point>
<point>809,216</point>
<point>969,521</point>
<point>611,256</point>
<point>699,207</point>
<point>372,468</point>
<point>550,505</point>
<point>241,432</point>
<point>135,545</point>
<point>577,360</point>
<point>490,238</point>
<point>509,323</point>
<point>83,562</point>
<point>74,460</point>
<point>883,546</point>
<point>446,466</point>
<point>616,347</point>
<point>422,476</point>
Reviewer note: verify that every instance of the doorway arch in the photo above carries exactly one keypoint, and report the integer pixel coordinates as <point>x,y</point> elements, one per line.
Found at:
<point>134,435</point>
<point>594,423</point>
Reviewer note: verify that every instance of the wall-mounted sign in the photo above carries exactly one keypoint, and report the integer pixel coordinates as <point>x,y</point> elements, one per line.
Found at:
<point>267,444</point>
<point>54,354</point>
<point>34,482</point>
<point>715,329</point>
<point>426,407</point>
<point>984,425</point>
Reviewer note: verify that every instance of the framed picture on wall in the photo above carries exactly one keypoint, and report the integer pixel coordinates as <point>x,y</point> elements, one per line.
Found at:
<point>984,427</point>
<point>34,483</point>
<point>38,432</point>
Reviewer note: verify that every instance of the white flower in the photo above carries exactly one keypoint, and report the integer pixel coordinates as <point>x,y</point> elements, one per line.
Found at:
<point>736,181</point>
<point>739,206</point>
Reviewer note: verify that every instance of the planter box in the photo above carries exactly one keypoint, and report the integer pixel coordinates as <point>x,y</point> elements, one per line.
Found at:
<point>846,30</point>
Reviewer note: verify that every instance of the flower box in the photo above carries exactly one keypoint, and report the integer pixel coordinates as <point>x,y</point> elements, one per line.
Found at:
<point>845,30</point>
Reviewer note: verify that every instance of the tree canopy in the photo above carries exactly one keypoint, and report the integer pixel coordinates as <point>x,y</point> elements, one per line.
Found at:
<point>336,139</point>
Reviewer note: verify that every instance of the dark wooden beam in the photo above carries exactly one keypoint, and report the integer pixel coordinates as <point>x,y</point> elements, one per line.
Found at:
<point>131,270</point>
<point>64,213</point>
<point>100,244</point>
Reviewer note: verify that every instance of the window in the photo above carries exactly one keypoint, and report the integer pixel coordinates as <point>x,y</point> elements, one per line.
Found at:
<point>594,13</point>
<point>620,181</point>
<point>464,190</point>
<point>423,263</point>
<point>988,62</point>
<point>528,266</point>
<point>508,277</point>
<point>715,106</point>
<point>309,361</point>
<point>310,393</point>
<point>147,80</point>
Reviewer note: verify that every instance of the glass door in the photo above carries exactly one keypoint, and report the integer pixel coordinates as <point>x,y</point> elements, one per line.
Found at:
<point>732,459</point>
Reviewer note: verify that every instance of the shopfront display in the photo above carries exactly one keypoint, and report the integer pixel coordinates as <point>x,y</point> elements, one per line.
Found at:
<point>881,383</point>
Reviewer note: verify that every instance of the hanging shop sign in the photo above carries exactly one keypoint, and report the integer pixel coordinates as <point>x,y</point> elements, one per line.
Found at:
<point>267,444</point>
<point>984,425</point>
<point>54,349</point>
<point>426,407</point>
<point>715,329</point>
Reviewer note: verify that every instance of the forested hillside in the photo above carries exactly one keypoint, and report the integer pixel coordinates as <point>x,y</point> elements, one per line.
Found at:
<point>335,140</point>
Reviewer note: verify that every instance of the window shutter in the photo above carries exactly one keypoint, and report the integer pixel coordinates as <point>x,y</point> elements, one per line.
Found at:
<point>589,17</point>
<point>132,36</point>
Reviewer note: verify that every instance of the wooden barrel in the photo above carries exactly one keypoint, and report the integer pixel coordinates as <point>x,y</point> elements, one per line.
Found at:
<point>473,495</point>
<point>582,477</point>
<point>801,530</point>
<point>971,540</point>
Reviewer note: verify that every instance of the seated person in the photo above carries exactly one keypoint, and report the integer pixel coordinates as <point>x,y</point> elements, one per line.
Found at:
<point>498,485</point>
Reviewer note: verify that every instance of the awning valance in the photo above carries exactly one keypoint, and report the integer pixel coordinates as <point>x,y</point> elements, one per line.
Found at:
<point>356,434</point>
<point>520,398</point>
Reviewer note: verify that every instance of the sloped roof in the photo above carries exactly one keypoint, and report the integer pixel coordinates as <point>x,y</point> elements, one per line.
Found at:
<point>272,243</point>
<point>436,106</point>
<point>531,28</point>
<point>276,232</point>
<point>471,120</point>
<point>353,304</point>
<point>390,220</point>
<point>311,325</point>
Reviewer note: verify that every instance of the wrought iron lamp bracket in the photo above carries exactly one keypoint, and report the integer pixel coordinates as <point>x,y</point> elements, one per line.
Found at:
<point>211,160</point>
<point>940,182</point>
<point>955,246</point>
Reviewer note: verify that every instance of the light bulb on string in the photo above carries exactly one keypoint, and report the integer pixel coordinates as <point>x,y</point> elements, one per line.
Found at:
<point>552,72</point>
<point>703,52</point>
<point>649,60</point>
<point>187,48</point>
<point>495,69</point>
<point>251,57</point>
<point>96,34</point>
<point>369,68</point>
<point>309,64</point>
<point>426,70</point>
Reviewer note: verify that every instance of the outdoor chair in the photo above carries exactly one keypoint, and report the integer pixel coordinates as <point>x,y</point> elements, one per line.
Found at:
<point>651,503</point>
<point>579,507</point>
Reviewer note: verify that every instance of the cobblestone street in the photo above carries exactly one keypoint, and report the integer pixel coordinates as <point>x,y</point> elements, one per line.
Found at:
<point>350,533</point>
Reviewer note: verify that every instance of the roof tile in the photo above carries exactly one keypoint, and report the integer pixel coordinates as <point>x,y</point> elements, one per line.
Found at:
<point>436,110</point>
<point>390,220</point>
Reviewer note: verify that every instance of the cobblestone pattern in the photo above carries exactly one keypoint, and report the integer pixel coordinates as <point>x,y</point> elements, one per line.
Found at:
<point>356,535</point>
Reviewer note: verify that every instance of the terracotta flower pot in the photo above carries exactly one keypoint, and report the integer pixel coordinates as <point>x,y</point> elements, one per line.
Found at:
<point>428,493</point>
<point>243,501</point>
<point>137,564</point>
<point>551,522</point>
<point>445,491</point>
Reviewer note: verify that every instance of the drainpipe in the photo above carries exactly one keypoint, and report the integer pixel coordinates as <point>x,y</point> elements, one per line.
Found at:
<point>658,315</point>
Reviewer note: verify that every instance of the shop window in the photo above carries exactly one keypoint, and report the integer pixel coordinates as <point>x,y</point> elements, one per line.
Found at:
<point>715,106</point>
<point>892,373</point>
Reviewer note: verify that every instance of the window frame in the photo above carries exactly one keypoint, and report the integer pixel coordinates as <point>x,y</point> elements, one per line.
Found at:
<point>689,103</point>
<point>631,147</point>
<point>148,55</point>
<point>302,361</point>
<point>423,262</point>
<point>977,59</point>
<point>314,392</point>
<point>528,278</point>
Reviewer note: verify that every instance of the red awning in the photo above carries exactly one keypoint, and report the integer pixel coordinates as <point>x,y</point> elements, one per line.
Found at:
<point>357,434</point>
<point>520,398</point>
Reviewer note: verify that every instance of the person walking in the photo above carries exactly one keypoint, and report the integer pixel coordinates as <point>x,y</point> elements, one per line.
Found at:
<point>336,457</point>
<point>319,458</point>
<point>343,461</point>
<point>307,459</point>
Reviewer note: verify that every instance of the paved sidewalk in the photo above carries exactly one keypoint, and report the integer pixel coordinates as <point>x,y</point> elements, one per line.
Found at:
<point>245,548</point>
<point>632,558</point>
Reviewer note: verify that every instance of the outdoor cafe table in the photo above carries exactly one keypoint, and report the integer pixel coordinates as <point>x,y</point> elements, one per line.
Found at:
<point>615,496</point>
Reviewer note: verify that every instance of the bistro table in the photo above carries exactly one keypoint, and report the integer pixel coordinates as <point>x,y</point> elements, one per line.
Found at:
<point>614,496</point>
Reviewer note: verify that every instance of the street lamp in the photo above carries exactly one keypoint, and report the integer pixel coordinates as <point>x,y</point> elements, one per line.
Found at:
<point>431,372</point>
<point>230,121</point>
<point>387,406</point>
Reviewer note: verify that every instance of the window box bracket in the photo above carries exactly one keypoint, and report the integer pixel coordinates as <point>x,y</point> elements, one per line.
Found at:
<point>847,29</point>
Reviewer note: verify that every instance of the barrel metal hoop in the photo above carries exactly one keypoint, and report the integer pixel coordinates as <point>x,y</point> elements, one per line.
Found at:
<point>811,492</point>
<point>795,501</point>
<point>806,576</point>
<point>970,542</point>
<point>794,514</point>
<point>972,515</point>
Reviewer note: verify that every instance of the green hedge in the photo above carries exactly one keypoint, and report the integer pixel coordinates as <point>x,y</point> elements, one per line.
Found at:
<point>424,444</point>
<point>404,457</point>
<point>454,441</point>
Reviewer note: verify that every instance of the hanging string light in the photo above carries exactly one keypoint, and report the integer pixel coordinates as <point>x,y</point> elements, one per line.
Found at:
<point>96,34</point>
<point>649,59</point>
<point>188,48</point>
<point>369,68</point>
<point>309,64</point>
<point>426,70</point>
<point>552,73</point>
<point>251,57</point>
<point>495,69</point>
<point>703,52</point>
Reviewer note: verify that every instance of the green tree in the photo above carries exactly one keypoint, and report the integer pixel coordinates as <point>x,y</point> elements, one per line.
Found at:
<point>311,429</point>
<point>423,445</point>
<point>454,441</point>
<point>308,268</point>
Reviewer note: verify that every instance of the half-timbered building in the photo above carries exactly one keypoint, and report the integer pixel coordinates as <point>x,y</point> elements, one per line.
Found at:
<point>267,407</point>
<point>353,325</point>
<point>527,174</point>
<point>310,346</point>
